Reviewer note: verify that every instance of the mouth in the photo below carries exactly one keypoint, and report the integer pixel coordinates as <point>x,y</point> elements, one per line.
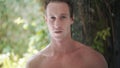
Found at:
<point>58,31</point>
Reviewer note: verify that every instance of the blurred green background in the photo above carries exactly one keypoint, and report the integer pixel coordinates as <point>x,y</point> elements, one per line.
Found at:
<point>22,31</point>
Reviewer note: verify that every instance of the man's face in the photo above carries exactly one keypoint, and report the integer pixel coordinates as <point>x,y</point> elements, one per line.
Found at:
<point>58,19</point>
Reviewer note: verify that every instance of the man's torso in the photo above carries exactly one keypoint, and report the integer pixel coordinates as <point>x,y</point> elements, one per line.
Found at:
<point>70,60</point>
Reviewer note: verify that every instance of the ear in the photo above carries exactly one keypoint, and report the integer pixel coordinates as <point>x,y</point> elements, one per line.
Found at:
<point>45,18</point>
<point>72,20</point>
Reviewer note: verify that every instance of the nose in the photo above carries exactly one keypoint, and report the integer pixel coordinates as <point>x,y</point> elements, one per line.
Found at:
<point>57,23</point>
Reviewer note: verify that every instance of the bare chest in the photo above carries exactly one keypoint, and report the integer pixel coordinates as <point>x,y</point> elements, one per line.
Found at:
<point>63,62</point>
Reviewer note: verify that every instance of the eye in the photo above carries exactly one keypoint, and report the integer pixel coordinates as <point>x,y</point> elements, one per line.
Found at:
<point>52,17</point>
<point>63,17</point>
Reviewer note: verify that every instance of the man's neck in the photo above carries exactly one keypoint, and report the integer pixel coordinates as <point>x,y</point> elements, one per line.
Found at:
<point>62,46</point>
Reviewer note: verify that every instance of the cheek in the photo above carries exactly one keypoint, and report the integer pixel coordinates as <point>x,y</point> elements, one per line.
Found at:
<point>50,26</point>
<point>68,24</point>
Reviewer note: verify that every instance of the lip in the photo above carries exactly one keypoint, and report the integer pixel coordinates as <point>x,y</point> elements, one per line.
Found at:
<point>58,31</point>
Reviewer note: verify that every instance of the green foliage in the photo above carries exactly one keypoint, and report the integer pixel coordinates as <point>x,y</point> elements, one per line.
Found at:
<point>100,37</point>
<point>22,32</point>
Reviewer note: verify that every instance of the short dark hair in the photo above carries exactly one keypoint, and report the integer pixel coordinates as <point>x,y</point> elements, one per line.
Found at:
<point>68,2</point>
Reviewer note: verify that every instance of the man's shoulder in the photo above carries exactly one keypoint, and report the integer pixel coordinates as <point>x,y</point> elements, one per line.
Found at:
<point>91,55</point>
<point>87,50</point>
<point>82,48</point>
<point>35,59</point>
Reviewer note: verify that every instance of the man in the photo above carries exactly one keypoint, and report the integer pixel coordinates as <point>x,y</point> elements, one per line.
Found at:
<point>63,51</point>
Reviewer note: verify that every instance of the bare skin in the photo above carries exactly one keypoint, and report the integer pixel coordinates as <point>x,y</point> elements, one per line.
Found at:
<point>63,51</point>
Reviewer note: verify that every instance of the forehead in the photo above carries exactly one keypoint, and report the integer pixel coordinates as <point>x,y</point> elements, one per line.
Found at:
<point>57,8</point>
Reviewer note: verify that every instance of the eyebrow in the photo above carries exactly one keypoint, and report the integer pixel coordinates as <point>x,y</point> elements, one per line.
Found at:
<point>64,14</point>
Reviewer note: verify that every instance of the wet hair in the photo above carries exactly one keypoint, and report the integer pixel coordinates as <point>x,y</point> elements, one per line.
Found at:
<point>68,2</point>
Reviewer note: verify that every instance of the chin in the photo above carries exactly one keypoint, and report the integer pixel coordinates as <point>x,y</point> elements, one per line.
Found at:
<point>59,38</point>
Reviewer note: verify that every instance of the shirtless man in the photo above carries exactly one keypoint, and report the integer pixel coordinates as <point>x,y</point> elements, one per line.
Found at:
<point>63,51</point>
